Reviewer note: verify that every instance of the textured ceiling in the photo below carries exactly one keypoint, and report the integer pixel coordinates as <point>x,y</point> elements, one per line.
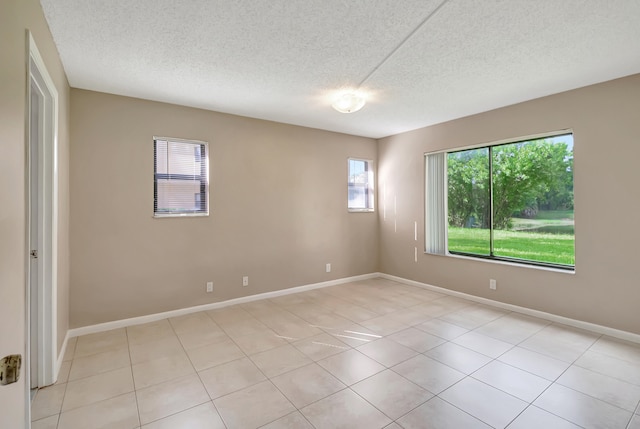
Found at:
<point>283,60</point>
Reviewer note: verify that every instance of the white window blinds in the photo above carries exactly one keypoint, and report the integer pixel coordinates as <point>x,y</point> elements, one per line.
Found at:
<point>181,178</point>
<point>436,221</point>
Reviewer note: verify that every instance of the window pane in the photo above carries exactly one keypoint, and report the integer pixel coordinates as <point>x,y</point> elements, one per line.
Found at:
<point>360,185</point>
<point>357,171</point>
<point>357,197</point>
<point>181,178</point>
<point>184,159</point>
<point>178,196</point>
<point>533,200</point>
<point>468,201</point>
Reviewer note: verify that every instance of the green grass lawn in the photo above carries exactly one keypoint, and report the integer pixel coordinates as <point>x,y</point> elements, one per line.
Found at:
<point>551,248</point>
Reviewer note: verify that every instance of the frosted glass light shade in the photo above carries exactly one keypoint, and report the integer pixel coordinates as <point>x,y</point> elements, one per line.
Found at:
<point>348,102</point>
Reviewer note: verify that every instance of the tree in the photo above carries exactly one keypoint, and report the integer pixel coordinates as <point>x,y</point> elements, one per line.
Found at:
<point>523,174</point>
<point>468,187</point>
<point>560,196</point>
<point>531,174</point>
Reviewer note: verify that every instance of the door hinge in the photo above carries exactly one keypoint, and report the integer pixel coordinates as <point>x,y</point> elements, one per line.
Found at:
<point>34,254</point>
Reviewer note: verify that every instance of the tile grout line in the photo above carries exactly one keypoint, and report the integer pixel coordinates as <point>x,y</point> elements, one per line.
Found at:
<point>269,379</point>
<point>458,408</point>
<point>555,382</point>
<point>173,329</point>
<point>423,354</point>
<point>437,395</point>
<point>72,381</point>
<point>346,386</point>
<point>245,356</point>
<point>478,369</point>
<point>400,375</point>
<point>313,300</point>
<point>531,404</point>
<point>66,385</point>
<point>633,415</point>
<point>255,384</point>
<point>133,379</point>
<point>155,384</point>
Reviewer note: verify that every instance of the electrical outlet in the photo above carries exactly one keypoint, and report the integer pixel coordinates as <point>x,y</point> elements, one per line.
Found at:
<point>209,286</point>
<point>328,268</point>
<point>492,284</point>
<point>245,281</point>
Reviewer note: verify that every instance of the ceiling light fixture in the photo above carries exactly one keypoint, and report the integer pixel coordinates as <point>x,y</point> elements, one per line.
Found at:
<point>348,102</point>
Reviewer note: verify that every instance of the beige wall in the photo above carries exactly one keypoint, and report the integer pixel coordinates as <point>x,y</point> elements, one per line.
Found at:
<point>278,205</point>
<point>604,288</point>
<point>16,16</point>
<point>278,210</point>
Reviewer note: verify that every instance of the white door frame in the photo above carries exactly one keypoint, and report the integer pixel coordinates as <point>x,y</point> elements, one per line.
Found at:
<point>47,220</point>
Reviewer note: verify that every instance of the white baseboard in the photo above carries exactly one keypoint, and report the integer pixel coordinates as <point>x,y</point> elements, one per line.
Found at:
<point>599,329</point>
<point>101,327</point>
<point>616,333</point>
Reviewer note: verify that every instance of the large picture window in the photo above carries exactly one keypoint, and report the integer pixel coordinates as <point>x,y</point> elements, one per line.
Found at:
<point>181,178</point>
<point>509,201</point>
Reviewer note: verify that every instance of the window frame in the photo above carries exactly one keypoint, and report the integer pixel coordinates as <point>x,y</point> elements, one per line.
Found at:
<point>369,186</point>
<point>203,178</point>
<point>445,209</point>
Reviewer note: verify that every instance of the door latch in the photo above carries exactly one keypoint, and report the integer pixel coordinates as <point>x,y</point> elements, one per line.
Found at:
<point>34,254</point>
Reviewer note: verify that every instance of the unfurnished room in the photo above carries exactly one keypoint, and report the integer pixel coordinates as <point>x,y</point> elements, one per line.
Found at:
<point>353,214</point>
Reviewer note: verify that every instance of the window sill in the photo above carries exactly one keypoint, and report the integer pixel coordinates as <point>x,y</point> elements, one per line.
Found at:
<point>509,263</point>
<point>361,210</point>
<point>168,215</point>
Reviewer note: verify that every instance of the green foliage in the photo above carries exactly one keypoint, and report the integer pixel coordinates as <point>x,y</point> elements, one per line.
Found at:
<point>525,174</point>
<point>468,187</point>
<point>560,196</point>
<point>528,175</point>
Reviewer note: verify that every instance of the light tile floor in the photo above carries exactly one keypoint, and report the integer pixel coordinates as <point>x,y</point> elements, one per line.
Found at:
<point>369,354</point>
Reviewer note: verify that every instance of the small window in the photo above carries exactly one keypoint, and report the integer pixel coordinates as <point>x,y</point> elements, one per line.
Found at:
<point>181,178</point>
<point>360,185</point>
<point>508,201</point>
